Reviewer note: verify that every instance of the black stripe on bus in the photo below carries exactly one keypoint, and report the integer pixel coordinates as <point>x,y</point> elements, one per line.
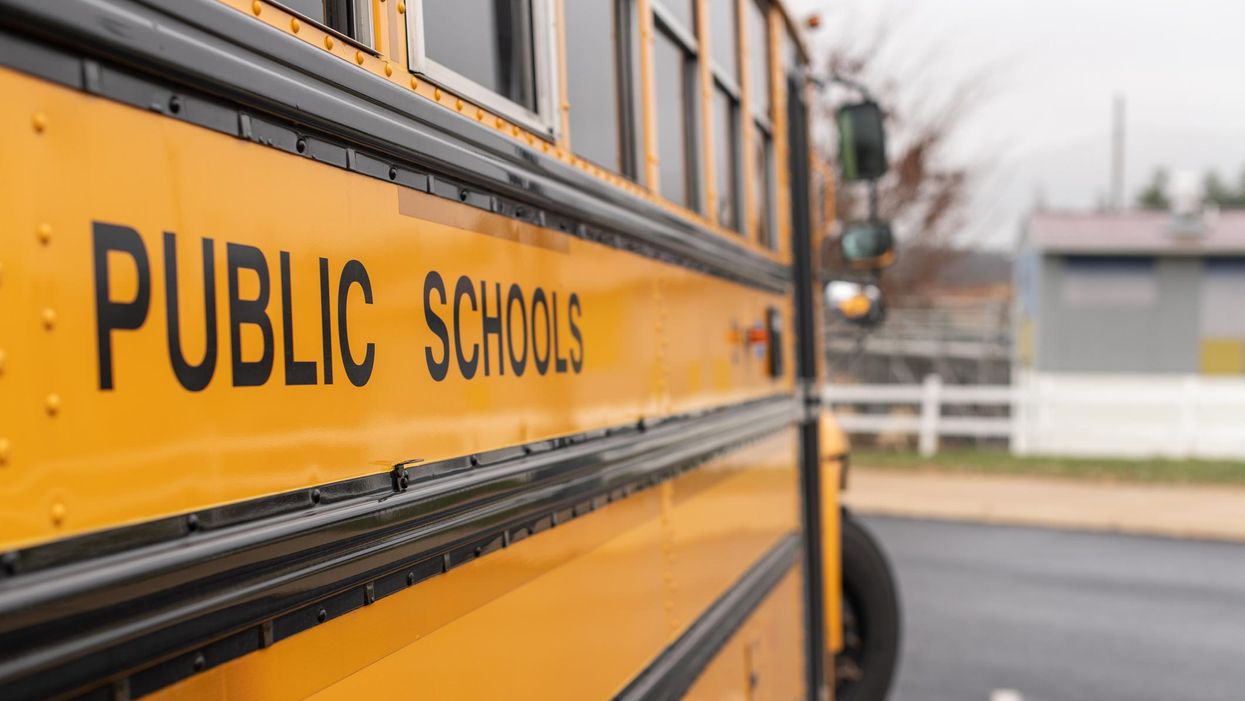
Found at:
<point>670,676</point>
<point>204,588</point>
<point>211,65</point>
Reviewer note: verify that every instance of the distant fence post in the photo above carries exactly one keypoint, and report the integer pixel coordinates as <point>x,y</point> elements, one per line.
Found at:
<point>931,409</point>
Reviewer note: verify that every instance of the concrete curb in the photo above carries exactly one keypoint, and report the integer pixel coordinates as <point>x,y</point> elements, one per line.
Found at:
<point>1172,511</point>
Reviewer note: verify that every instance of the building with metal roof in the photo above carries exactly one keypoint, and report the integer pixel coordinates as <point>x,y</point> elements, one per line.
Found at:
<point>1144,307</point>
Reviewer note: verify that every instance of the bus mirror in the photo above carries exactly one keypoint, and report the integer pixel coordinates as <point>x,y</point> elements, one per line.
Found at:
<point>868,244</point>
<point>862,141</point>
<point>856,302</point>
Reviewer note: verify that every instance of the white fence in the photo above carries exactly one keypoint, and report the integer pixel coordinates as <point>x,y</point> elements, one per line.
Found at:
<point>1109,415</point>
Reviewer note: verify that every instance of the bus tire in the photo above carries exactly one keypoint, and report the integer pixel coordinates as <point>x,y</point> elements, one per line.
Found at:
<point>865,667</point>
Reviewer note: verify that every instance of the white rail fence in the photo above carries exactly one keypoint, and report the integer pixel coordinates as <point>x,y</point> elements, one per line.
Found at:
<point>1178,417</point>
<point>931,396</point>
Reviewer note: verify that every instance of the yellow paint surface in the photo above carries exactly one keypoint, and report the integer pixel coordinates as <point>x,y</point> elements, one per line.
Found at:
<point>764,659</point>
<point>656,338</point>
<point>1223,356</point>
<point>574,612</point>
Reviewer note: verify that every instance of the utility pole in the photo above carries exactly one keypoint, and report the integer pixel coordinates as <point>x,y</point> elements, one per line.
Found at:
<point>1117,155</point>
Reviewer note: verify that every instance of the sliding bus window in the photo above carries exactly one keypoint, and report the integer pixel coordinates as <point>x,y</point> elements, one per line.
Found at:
<point>726,157</point>
<point>349,18</point>
<point>493,52</point>
<point>727,133</point>
<point>674,81</point>
<point>759,90</point>
<point>598,82</point>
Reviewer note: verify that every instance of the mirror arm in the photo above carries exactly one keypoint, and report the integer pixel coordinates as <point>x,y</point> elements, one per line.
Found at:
<point>848,83</point>
<point>873,201</point>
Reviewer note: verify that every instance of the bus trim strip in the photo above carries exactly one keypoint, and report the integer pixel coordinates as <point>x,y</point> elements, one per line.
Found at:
<point>206,595</point>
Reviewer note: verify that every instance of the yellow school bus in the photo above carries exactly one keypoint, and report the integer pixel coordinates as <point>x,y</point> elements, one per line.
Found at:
<point>418,349</point>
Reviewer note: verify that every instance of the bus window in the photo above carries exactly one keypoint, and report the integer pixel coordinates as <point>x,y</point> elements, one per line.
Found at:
<point>759,97</point>
<point>350,18</point>
<point>674,89</point>
<point>597,85</point>
<point>724,65</point>
<point>725,157</point>
<point>494,52</point>
<point>724,38</point>
<point>763,184</point>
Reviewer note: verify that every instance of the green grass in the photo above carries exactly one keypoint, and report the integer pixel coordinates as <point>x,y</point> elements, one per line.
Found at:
<point>1101,469</point>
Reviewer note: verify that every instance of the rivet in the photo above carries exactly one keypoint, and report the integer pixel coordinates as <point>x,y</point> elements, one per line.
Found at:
<point>53,404</point>
<point>393,173</point>
<point>388,70</point>
<point>315,496</point>
<point>499,123</point>
<point>295,25</point>
<point>5,449</point>
<point>322,615</point>
<point>175,104</point>
<point>39,121</point>
<point>257,8</point>
<point>458,104</point>
<point>328,42</point>
<point>566,106</point>
<point>544,146</point>
<point>414,84</point>
<point>436,94</point>
<point>44,232</point>
<point>200,661</point>
<point>401,8</point>
<point>410,578</point>
<point>358,57</point>
<point>192,522</point>
<point>300,145</point>
<point>479,114</point>
<point>49,319</point>
<point>514,130</point>
<point>58,513</point>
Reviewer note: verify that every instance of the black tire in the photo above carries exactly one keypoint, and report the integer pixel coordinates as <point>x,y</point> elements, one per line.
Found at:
<point>865,667</point>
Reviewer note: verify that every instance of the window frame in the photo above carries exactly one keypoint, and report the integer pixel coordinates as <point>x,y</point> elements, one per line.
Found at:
<point>626,87</point>
<point>365,24</point>
<point>764,127</point>
<point>544,120</point>
<point>721,79</point>
<point>684,38</point>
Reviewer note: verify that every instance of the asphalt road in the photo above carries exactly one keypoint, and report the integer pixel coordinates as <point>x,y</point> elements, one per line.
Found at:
<point>1064,615</point>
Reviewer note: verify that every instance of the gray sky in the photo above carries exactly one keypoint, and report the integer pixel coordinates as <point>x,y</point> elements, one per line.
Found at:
<point>1054,67</point>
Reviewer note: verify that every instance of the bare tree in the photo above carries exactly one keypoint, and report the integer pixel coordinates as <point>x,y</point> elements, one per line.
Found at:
<point>927,191</point>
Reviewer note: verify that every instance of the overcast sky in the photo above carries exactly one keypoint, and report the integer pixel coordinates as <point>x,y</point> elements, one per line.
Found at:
<point>1054,68</point>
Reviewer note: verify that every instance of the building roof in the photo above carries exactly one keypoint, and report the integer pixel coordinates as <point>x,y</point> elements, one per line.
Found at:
<point>1137,233</point>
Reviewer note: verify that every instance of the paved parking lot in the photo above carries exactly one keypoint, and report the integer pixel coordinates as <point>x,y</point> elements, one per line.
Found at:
<point>1065,615</point>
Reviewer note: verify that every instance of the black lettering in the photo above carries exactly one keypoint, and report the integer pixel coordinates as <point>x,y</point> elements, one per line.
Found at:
<point>438,369</point>
<point>538,299</point>
<point>248,311</point>
<point>463,288</point>
<point>354,274</point>
<point>326,324</point>
<point>193,377</point>
<point>297,372</point>
<point>491,325</point>
<point>515,294</point>
<point>110,315</point>
<point>573,310</point>
<point>559,361</point>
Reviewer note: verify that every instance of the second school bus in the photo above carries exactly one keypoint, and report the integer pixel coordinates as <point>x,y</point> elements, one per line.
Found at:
<point>415,348</point>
